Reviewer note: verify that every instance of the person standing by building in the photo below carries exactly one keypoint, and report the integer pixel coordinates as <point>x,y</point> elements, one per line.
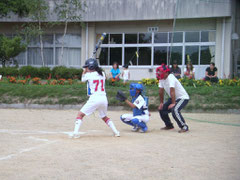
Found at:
<point>125,74</point>
<point>175,70</point>
<point>178,99</point>
<point>211,73</point>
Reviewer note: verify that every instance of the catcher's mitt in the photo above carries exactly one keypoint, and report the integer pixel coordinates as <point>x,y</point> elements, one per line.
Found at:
<point>121,96</point>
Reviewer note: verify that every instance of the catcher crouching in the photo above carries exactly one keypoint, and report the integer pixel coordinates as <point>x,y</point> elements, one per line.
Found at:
<point>139,104</point>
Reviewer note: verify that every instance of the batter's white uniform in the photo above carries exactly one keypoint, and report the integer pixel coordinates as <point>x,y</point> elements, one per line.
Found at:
<point>139,103</point>
<point>96,90</point>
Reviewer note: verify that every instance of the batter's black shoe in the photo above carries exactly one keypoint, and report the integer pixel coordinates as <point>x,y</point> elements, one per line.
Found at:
<point>167,128</point>
<point>184,129</point>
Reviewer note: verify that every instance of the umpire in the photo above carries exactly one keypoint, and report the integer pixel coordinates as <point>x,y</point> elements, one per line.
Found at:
<point>177,101</point>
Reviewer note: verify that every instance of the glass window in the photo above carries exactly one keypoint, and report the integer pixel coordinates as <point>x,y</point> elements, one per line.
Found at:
<point>144,56</point>
<point>74,56</point>
<point>130,55</point>
<point>191,54</point>
<point>58,55</point>
<point>176,54</point>
<point>48,56</point>
<point>116,55</point>
<point>161,38</point>
<point>130,38</point>
<point>207,54</point>
<point>160,55</point>
<point>34,56</point>
<point>192,37</point>
<point>177,38</point>
<point>47,40</point>
<point>115,39</point>
<point>103,57</point>
<point>208,36</point>
<point>69,40</point>
<point>21,58</point>
<point>145,37</point>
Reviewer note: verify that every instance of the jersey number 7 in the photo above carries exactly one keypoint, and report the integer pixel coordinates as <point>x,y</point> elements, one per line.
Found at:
<point>97,83</point>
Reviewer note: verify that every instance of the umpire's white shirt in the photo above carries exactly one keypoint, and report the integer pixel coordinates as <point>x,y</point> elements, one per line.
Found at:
<point>172,82</point>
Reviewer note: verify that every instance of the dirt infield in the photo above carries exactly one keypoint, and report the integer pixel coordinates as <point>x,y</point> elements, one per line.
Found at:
<point>34,145</point>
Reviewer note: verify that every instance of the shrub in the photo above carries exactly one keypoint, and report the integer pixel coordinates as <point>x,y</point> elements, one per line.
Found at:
<point>27,71</point>
<point>9,71</point>
<point>44,72</point>
<point>76,73</point>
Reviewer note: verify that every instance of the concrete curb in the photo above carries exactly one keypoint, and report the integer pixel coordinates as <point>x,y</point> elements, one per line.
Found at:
<point>111,108</point>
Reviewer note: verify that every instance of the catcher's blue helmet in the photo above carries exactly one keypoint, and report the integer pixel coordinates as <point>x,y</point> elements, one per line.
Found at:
<point>134,87</point>
<point>91,64</point>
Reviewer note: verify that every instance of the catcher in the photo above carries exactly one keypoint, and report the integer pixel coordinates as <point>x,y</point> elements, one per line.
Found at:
<point>139,104</point>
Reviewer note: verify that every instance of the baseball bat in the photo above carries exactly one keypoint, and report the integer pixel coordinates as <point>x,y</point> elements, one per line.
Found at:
<point>99,43</point>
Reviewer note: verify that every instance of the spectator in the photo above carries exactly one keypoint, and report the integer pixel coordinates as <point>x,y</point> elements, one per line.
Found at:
<point>115,72</point>
<point>189,72</point>
<point>211,73</point>
<point>175,70</point>
<point>125,74</point>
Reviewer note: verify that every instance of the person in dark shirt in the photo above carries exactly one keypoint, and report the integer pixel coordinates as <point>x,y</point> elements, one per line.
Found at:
<point>175,70</point>
<point>211,73</point>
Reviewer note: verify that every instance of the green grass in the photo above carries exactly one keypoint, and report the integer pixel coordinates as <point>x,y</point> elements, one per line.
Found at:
<point>202,98</point>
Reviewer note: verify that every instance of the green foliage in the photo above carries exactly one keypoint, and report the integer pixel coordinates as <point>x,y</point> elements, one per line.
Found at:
<point>10,48</point>
<point>10,71</point>
<point>66,73</point>
<point>26,71</point>
<point>69,10</point>
<point>44,72</point>
<point>19,7</point>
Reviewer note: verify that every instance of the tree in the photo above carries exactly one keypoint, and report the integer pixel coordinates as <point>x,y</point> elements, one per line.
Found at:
<point>68,10</point>
<point>19,7</point>
<point>10,48</point>
<point>38,11</point>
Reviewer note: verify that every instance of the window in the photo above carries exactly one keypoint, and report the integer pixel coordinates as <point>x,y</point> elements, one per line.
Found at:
<point>145,38</point>
<point>21,58</point>
<point>192,37</point>
<point>130,38</point>
<point>156,48</point>
<point>48,56</point>
<point>144,56</point>
<point>160,55</point>
<point>116,55</point>
<point>103,57</point>
<point>130,55</point>
<point>208,36</point>
<point>176,54</point>
<point>177,37</point>
<point>207,54</point>
<point>160,37</point>
<point>34,56</point>
<point>191,54</point>
<point>115,39</point>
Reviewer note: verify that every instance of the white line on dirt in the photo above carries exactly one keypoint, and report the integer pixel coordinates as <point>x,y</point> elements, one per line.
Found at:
<point>26,150</point>
<point>8,131</point>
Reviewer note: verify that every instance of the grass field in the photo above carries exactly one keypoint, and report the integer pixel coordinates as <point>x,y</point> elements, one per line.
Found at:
<point>35,146</point>
<point>204,98</point>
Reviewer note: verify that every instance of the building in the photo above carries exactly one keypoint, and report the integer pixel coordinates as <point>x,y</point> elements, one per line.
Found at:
<point>200,31</point>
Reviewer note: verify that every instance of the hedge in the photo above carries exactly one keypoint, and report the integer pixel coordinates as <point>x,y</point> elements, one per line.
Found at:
<point>43,72</point>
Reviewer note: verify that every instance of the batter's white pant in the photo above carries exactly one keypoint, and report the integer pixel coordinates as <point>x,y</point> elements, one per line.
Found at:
<point>96,103</point>
<point>129,117</point>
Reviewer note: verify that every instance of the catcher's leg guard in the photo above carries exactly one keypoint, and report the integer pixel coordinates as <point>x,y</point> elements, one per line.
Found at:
<point>126,122</point>
<point>139,124</point>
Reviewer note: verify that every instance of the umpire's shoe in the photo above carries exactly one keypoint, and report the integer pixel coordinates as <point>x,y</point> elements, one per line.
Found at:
<point>167,128</point>
<point>184,129</point>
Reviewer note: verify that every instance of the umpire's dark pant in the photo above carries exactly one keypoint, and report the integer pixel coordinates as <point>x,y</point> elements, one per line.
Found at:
<point>180,103</point>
